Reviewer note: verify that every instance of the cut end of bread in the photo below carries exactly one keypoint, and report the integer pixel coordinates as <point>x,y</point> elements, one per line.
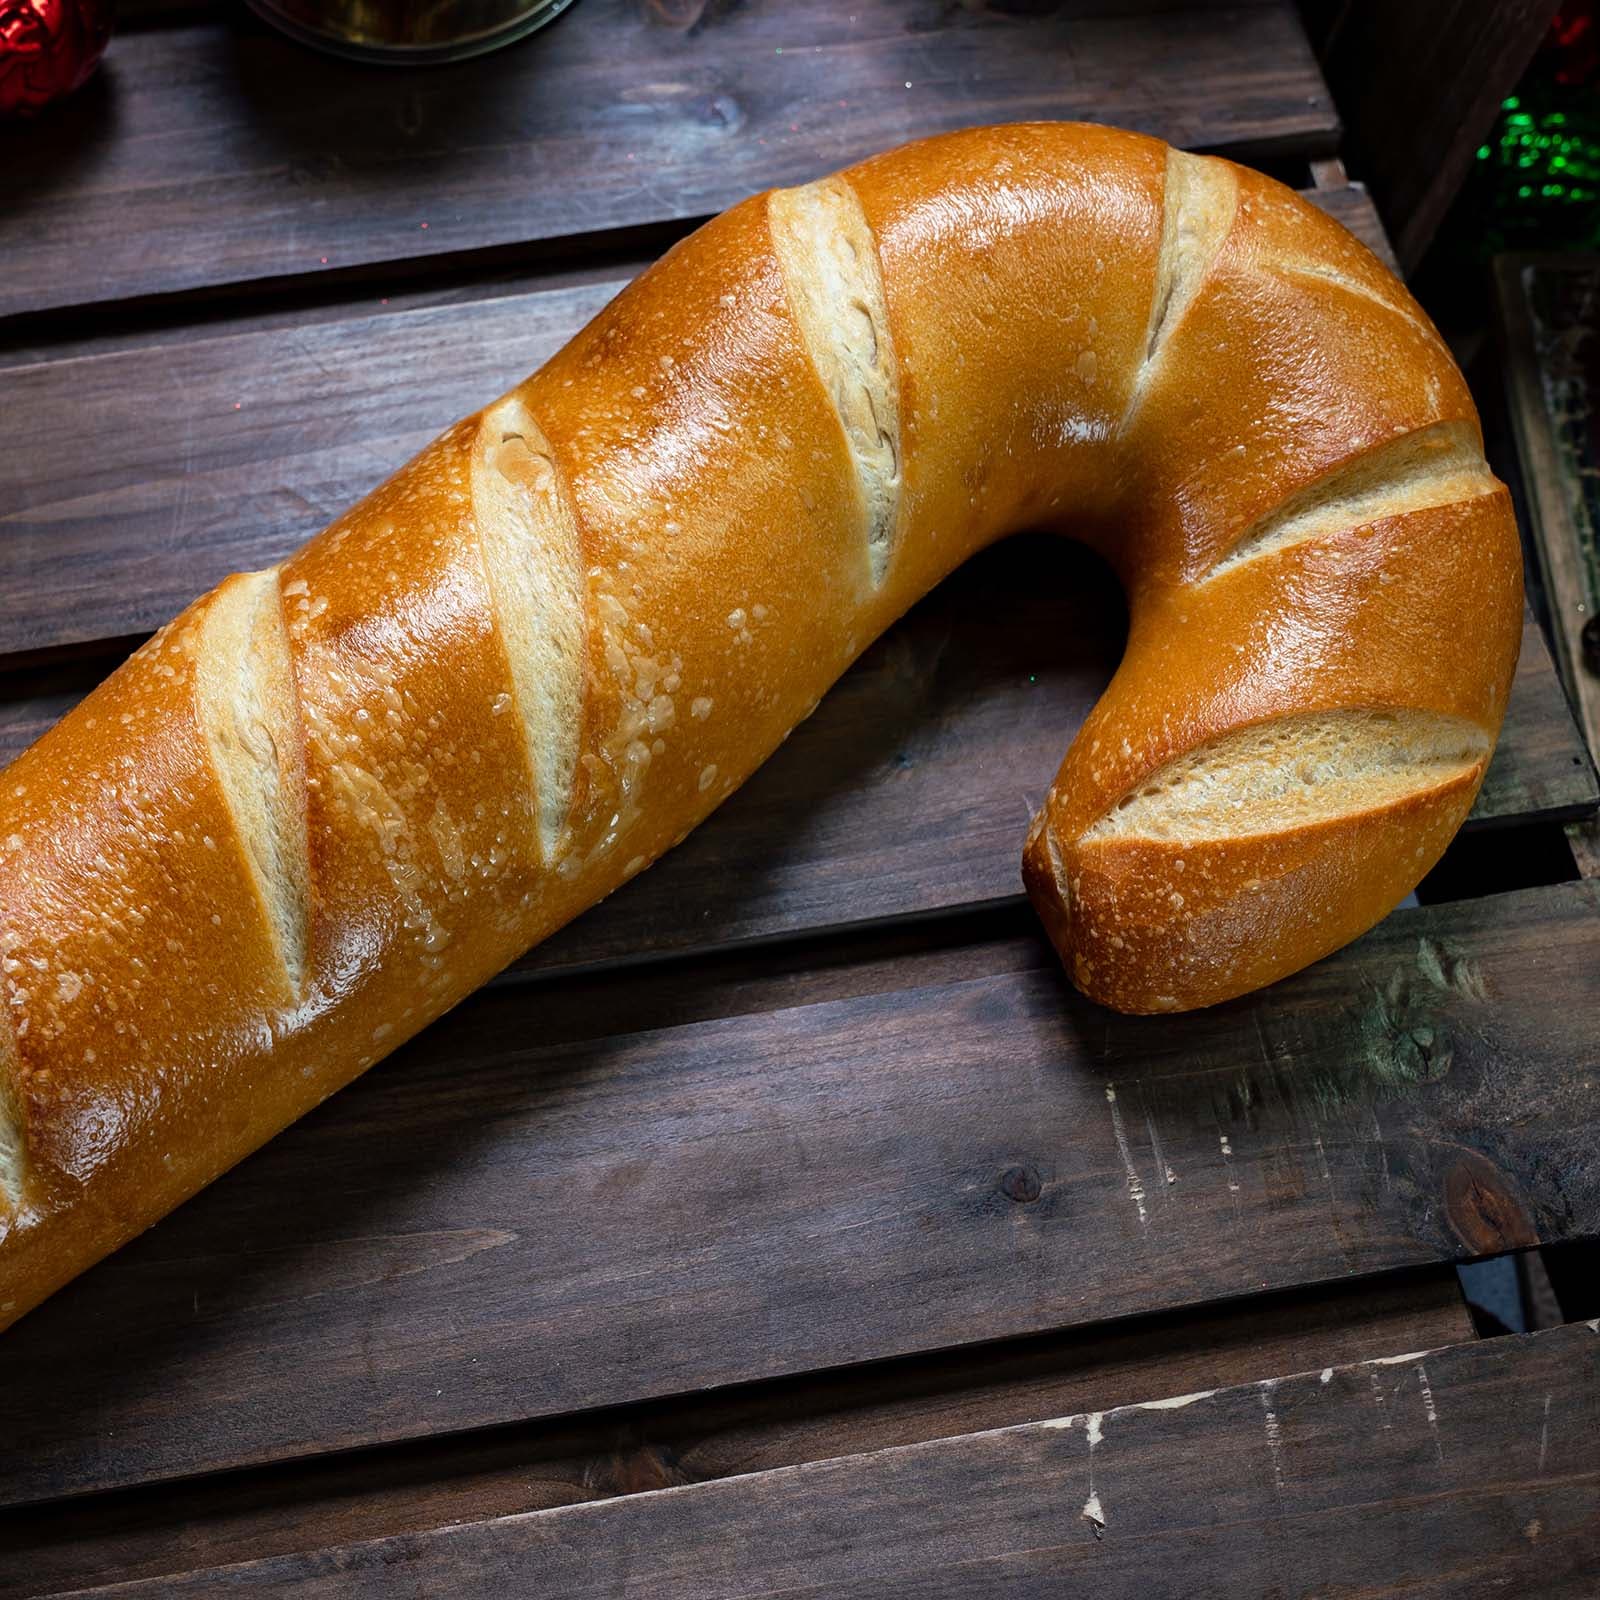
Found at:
<point>1296,772</point>
<point>248,707</point>
<point>831,272</point>
<point>1256,854</point>
<point>533,561</point>
<point>1439,465</point>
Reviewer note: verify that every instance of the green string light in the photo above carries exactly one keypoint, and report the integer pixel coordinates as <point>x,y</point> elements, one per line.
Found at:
<point>1538,173</point>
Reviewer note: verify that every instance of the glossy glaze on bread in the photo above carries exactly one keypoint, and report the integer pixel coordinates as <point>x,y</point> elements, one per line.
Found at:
<point>331,799</point>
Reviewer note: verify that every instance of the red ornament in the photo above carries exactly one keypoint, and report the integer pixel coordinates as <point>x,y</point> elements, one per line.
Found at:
<point>47,48</point>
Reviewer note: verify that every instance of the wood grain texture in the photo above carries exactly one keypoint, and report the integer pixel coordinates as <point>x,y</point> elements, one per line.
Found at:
<point>1438,1474</point>
<point>1583,838</point>
<point>144,477</point>
<point>303,1505</point>
<point>1541,767</point>
<point>186,165</point>
<point>696,1181</point>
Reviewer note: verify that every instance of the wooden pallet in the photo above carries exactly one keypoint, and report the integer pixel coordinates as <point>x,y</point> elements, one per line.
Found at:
<point>798,1152</point>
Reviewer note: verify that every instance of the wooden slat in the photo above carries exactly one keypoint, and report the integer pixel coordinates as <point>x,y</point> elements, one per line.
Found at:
<point>307,1504</point>
<point>1541,768</point>
<point>1445,1473</point>
<point>28,341</point>
<point>218,154</point>
<point>681,1185</point>
<point>144,477</point>
<point>681,13</point>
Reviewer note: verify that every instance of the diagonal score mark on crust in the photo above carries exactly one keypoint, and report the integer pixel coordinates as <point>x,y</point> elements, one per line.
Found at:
<point>831,272</point>
<point>13,1154</point>
<point>1199,203</point>
<point>1323,273</point>
<point>533,561</point>
<point>1058,867</point>
<point>1198,206</point>
<point>1296,771</point>
<point>246,702</point>
<point>1439,465</point>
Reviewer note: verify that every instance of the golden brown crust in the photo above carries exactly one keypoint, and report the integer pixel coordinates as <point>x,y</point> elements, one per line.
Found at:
<point>1019,264</point>
<point>1155,353</point>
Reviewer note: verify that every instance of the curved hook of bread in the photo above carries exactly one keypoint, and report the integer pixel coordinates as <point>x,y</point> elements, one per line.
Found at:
<point>1276,452</point>
<point>332,798</point>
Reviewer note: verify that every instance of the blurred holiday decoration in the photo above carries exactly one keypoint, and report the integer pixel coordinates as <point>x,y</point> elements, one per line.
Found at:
<point>1536,183</point>
<point>48,48</point>
<point>408,31</point>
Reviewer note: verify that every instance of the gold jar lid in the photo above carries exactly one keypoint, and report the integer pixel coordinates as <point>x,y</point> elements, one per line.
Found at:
<point>408,31</point>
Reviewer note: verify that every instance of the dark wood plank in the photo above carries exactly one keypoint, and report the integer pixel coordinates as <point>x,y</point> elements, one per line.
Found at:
<point>1439,1473</point>
<point>185,462</point>
<point>302,1505</point>
<point>907,793</point>
<point>1419,85</point>
<point>1541,768</point>
<point>680,1187</point>
<point>680,13</point>
<point>88,331</point>
<point>221,153</point>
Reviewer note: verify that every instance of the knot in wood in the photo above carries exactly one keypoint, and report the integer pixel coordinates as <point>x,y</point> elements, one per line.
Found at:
<point>1021,1184</point>
<point>1486,1213</point>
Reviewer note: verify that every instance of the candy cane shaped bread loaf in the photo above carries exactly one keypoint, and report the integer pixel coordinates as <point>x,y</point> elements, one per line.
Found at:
<point>332,798</point>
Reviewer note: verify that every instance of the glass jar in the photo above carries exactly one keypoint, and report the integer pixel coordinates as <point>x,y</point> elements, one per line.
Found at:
<point>408,31</point>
